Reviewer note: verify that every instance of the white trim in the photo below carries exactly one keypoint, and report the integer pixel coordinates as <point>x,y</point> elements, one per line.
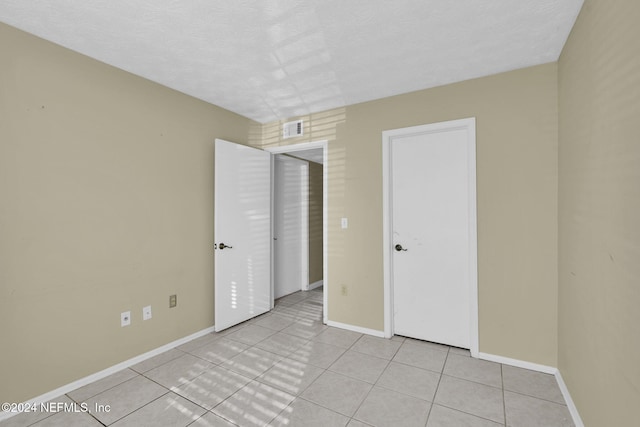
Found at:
<point>315,285</point>
<point>474,325</point>
<point>469,124</point>
<point>303,146</point>
<point>358,329</point>
<point>325,230</point>
<point>518,363</point>
<point>573,410</point>
<point>109,371</point>
<point>386,236</point>
<point>324,144</point>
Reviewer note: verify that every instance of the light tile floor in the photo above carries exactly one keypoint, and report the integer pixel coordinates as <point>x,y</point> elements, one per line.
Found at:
<point>286,368</point>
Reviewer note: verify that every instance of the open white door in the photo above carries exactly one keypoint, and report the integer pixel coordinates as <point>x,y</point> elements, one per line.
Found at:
<point>242,228</point>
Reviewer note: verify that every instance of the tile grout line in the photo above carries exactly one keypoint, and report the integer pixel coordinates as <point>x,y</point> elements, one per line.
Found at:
<point>396,391</point>
<point>471,381</point>
<point>470,414</point>
<point>361,403</point>
<point>349,417</point>
<point>504,402</point>
<point>435,393</point>
<point>298,395</point>
<point>140,407</point>
<point>536,397</point>
<point>102,391</point>
<point>215,365</point>
<point>135,410</point>
<point>257,379</point>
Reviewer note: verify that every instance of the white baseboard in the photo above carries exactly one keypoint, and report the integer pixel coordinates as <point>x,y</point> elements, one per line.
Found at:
<point>315,285</point>
<point>353,328</point>
<point>106,372</point>
<point>518,363</point>
<point>573,410</point>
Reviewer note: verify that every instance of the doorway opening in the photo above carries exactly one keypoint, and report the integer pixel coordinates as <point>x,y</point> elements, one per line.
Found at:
<point>299,221</point>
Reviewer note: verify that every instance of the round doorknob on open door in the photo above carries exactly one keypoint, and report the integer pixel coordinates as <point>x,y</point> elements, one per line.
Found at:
<point>222,246</point>
<point>399,248</point>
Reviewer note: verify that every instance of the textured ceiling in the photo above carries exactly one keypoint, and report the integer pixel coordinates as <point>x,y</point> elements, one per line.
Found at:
<point>275,59</point>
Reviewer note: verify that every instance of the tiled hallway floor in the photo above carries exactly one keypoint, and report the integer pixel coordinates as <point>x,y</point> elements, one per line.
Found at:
<point>286,368</point>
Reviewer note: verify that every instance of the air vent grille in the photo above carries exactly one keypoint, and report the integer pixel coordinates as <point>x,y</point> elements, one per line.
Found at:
<point>291,129</point>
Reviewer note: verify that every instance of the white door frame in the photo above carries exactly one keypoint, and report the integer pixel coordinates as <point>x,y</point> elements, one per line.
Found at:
<point>387,224</point>
<point>324,144</point>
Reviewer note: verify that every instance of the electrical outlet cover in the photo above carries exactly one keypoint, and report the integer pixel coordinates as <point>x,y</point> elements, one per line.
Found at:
<point>125,318</point>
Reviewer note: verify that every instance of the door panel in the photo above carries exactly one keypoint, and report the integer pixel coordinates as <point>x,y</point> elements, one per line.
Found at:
<point>430,196</point>
<point>291,247</point>
<point>243,225</point>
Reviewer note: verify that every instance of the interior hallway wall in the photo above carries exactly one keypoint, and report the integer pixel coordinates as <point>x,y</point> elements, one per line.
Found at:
<point>315,222</point>
<point>517,179</point>
<point>106,182</point>
<point>599,209</point>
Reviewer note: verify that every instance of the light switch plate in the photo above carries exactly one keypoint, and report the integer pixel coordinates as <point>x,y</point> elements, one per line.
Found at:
<point>345,223</point>
<point>146,313</point>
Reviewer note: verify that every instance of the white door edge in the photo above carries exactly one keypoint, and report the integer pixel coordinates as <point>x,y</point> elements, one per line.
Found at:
<point>469,124</point>
<point>324,144</point>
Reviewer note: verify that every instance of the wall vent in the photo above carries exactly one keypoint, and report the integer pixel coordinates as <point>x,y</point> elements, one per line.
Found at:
<point>291,129</point>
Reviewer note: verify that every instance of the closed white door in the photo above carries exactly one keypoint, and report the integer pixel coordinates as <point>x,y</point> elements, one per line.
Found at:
<point>242,233</point>
<point>291,225</point>
<point>433,232</point>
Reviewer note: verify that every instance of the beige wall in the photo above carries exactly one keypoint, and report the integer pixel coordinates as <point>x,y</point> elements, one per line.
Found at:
<point>599,210</point>
<point>315,222</point>
<point>106,182</point>
<point>517,129</point>
<point>107,192</point>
